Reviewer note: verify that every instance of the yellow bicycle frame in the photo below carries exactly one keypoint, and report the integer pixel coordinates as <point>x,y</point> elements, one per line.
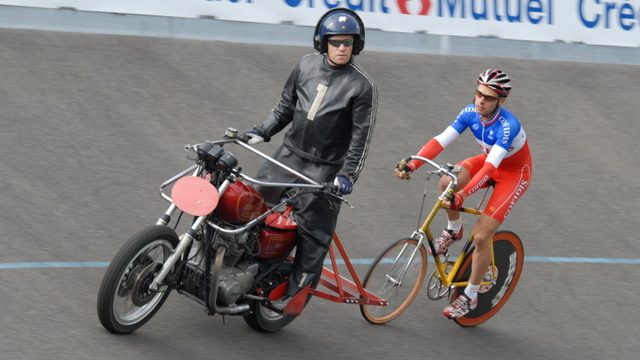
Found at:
<point>446,277</point>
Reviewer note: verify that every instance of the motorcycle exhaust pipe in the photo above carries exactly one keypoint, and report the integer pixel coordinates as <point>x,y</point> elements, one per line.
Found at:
<point>215,282</point>
<point>231,310</point>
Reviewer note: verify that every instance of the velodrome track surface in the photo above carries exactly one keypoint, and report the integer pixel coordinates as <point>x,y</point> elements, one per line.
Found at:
<point>92,124</point>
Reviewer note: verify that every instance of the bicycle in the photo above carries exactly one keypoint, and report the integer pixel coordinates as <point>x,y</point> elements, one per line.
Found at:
<point>397,274</point>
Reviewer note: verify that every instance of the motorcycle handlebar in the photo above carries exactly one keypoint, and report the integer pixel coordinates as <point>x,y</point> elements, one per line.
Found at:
<point>330,187</point>
<point>234,136</point>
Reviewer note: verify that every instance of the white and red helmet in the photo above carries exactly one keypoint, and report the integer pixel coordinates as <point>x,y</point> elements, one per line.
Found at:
<point>497,80</point>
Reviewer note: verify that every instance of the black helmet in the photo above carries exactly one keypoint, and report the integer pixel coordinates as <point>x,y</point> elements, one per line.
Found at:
<point>339,21</point>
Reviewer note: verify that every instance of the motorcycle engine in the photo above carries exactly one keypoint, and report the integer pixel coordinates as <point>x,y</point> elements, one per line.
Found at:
<point>233,242</point>
<point>236,281</point>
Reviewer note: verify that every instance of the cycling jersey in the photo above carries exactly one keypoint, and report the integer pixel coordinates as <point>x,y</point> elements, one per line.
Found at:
<point>503,131</point>
<point>505,157</point>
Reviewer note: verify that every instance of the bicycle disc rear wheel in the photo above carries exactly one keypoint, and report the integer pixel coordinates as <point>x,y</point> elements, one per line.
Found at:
<point>396,275</point>
<point>509,257</point>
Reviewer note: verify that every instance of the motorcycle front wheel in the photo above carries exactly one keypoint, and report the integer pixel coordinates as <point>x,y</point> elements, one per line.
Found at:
<point>125,301</point>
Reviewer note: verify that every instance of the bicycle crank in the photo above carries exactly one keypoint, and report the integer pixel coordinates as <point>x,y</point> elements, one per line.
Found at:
<point>435,289</point>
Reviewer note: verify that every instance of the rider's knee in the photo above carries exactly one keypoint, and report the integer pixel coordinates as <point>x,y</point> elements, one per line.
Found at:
<point>481,240</point>
<point>444,182</point>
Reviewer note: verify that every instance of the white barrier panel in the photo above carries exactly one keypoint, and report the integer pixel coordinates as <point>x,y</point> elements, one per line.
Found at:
<point>600,22</point>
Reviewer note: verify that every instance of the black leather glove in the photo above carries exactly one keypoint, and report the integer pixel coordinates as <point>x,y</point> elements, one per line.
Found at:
<point>255,135</point>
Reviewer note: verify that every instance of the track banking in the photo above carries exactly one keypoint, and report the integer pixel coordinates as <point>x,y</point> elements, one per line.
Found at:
<point>513,11</point>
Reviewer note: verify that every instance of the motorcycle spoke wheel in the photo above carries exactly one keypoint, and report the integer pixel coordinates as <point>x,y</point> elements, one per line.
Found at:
<point>125,301</point>
<point>396,276</point>
<point>509,257</point>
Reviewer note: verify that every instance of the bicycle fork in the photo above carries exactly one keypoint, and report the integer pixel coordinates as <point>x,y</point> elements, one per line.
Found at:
<point>398,281</point>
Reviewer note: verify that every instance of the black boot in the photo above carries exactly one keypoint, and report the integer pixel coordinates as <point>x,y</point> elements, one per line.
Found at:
<point>280,304</point>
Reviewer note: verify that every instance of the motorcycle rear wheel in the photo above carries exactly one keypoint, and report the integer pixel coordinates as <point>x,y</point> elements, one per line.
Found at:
<point>125,301</point>
<point>263,319</point>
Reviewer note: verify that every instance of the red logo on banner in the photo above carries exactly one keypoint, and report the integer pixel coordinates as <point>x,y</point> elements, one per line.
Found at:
<point>424,10</point>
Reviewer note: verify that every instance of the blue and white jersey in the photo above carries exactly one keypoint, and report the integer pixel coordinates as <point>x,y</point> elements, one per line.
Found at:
<point>503,131</point>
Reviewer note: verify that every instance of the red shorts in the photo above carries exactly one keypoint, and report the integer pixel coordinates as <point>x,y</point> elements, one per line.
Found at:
<point>510,185</point>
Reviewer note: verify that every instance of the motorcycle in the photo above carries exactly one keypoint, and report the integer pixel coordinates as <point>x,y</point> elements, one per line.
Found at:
<point>235,256</point>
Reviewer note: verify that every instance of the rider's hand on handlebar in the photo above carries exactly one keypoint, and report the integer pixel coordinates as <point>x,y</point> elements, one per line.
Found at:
<point>456,200</point>
<point>403,170</point>
<point>253,136</point>
<point>344,186</point>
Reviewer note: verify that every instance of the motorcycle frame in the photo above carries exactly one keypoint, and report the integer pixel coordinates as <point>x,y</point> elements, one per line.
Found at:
<point>341,289</point>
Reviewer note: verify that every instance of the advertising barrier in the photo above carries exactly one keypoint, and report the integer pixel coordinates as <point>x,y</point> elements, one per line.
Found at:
<point>597,22</point>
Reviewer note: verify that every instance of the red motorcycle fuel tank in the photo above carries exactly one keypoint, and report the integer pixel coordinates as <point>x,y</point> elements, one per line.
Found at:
<point>279,235</point>
<point>240,203</point>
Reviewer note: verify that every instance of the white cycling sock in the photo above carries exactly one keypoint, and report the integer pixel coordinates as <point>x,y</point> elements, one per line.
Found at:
<point>455,225</point>
<point>471,291</point>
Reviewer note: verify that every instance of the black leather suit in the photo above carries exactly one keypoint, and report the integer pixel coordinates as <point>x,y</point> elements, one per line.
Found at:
<point>332,112</point>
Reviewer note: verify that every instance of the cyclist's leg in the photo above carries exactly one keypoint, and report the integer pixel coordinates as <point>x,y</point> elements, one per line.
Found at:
<point>453,231</point>
<point>481,258</point>
<point>482,234</point>
<point>468,168</point>
<point>509,186</point>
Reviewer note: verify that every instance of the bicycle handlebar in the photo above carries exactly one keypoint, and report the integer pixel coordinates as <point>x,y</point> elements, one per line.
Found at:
<point>440,170</point>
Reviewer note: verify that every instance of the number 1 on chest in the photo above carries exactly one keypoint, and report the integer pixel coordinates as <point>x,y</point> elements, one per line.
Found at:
<point>321,90</point>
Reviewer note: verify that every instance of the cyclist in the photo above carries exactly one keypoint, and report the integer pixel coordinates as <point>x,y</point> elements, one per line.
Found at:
<point>330,102</point>
<point>505,162</point>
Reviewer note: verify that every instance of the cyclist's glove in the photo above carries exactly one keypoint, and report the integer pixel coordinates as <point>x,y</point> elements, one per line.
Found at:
<point>404,166</point>
<point>456,201</point>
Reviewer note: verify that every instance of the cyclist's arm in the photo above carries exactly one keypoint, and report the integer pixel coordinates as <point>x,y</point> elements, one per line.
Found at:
<point>434,146</point>
<point>480,179</point>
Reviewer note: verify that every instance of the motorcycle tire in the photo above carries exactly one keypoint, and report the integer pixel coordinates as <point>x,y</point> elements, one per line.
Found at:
<point>125,301</point>
<point>263,319</point>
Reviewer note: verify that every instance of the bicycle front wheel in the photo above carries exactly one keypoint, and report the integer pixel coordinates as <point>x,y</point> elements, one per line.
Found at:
<point>509,257</point>
<point>396,275</point>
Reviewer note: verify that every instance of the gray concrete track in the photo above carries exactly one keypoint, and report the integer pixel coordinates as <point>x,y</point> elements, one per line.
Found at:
<point>92,124</point>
